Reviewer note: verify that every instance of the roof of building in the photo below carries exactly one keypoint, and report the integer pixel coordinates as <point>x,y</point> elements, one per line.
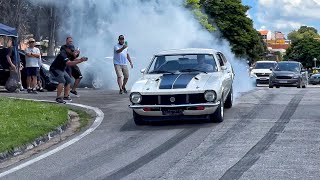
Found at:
<point>279,46</point>
<point>263,32</point>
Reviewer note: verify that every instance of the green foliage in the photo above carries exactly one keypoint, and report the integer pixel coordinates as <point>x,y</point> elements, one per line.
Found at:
<point>304,50</point>
<point>303,33</point>
<point>230,17</point>
<point>202,18</point>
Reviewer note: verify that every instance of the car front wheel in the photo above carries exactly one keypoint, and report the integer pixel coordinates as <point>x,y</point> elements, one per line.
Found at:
<point>138,120</point>
<point>218,115</point>
<point>229,101</point>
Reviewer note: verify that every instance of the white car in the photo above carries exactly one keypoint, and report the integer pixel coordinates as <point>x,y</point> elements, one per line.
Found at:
<point>262,70</point>
<point>183,84</point>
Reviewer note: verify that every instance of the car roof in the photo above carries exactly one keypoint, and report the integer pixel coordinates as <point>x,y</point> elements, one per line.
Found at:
<point>187,51</point>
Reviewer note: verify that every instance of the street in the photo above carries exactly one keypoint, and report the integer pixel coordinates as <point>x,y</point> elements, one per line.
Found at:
<point>268,134</point>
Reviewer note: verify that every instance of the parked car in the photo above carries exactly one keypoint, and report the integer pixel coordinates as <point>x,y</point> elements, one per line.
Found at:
<point>288,73</point>
<point>176,86</point>
<point>261,71</point>
<point>314,79</point>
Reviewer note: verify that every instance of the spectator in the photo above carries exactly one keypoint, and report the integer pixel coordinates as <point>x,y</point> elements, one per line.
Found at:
<point>32,66</point>
<point>120,58</point>
<point>73,71</point>
<point>59,73</point>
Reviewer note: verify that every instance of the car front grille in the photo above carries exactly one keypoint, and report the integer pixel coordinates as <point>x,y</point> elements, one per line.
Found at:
<point>174,99</point>
<point>284,77</point>
<point>262,74</point>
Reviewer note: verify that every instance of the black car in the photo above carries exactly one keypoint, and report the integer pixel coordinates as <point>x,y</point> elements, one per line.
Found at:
<point>45,76</point>
<point>288,73</point>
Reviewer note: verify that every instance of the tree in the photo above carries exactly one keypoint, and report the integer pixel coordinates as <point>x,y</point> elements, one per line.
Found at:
<point>231,19</point>
<point>304,51</point>
<point>201,17</point>
<point>303,33</point>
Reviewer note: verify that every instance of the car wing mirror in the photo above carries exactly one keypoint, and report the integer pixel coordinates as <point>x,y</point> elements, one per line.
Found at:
<point>143,70</point>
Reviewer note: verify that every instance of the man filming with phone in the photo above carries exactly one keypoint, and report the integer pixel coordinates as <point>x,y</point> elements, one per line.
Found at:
<point>59,73</point>
<point>120,58</point>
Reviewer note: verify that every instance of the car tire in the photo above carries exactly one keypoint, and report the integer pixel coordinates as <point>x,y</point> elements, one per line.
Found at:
<point>277,86</point>
<point>51,88</point>
<point>270,86</point>
<point>43,82</point>
<point>218,115</point>
<point>229,101</point>
<point>299,85</point>
<point>138,120</point>
<point>97,83</point>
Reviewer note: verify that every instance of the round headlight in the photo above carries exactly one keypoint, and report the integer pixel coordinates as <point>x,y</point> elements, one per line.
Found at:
<point>210,96</point>
<point>135,98</point>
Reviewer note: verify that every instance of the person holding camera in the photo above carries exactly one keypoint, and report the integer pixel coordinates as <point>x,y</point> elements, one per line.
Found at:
<point>120,58</point>
<point>73,71</point>
<point>59,73</point>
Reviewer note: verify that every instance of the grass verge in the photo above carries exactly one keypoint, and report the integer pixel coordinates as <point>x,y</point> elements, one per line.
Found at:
<point>21,121</point>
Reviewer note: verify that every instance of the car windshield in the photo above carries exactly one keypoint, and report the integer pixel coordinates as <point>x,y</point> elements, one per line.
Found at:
<point>294,67</point>
<point>183,63</point>
<point>265,65</point>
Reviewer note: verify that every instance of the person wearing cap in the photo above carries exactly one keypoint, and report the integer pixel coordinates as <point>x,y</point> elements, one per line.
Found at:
<point>32,66</point>
<point>59,73</point>
<point>73,71</point>
<point>120,58</point>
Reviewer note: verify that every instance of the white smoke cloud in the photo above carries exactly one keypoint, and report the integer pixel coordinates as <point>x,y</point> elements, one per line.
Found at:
<point>148,26</point>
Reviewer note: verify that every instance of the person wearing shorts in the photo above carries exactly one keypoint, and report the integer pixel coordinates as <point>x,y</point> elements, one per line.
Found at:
<point>59,73</point>
<point>32,66</point>
<point>73,71</point>
<point>120,58</point>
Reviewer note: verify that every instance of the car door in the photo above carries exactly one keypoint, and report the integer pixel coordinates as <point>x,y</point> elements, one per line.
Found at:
<point>226,73</point>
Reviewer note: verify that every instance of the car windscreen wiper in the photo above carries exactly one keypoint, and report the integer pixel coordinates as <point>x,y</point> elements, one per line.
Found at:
<point>160,71</point>
<point>192,70</point>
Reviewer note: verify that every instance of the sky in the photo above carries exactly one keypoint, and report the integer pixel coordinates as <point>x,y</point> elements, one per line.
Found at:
<point>284,15</point>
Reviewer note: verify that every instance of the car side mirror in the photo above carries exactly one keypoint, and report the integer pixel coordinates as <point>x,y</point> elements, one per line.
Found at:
<point>143,70</point>
<point>223,67</point>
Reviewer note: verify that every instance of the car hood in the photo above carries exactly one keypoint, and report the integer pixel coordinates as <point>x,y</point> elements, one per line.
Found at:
<point>268,71</point>
<point>284,73</point>
<point>174,83</point>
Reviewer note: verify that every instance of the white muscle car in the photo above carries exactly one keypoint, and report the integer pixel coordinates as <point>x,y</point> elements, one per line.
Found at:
<point>183,84</point>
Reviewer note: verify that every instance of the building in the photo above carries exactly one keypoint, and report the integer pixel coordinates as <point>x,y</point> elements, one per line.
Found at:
<point>266,35</point>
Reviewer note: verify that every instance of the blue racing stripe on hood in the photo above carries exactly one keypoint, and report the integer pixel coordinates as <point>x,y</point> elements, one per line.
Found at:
<point>167,81</point>
<point>183,80</point>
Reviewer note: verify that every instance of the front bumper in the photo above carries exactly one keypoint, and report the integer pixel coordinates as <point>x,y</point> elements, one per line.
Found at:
<point>285,82</point>
<point>262,80</point>
<point>187,109</point>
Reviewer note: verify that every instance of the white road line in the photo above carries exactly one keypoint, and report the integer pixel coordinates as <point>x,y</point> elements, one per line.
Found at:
<point>96,123</point>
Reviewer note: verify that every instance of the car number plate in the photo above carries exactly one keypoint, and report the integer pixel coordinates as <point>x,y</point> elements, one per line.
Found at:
<point>283,81</point>
<point>172,112</point>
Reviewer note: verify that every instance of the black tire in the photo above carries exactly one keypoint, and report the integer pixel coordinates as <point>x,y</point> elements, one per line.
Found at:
<point>218,115</point>
<point>229,101</point>
<point>43,82</point>
<point>270,86</point>
<point>277,86</point>
<point>51,88</point>
<point>304,86</point>
<point>138,120</point>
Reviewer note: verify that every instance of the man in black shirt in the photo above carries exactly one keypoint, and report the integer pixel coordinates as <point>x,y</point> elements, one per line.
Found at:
<point>73,71</point>
<point>59,73</point>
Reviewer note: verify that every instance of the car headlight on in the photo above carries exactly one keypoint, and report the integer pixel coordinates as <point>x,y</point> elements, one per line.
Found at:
<point>210,96</point>
<point>135,98</point>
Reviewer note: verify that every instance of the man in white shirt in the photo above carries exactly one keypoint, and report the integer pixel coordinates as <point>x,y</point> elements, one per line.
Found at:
<point>120,58</point>
<point>32,65</point>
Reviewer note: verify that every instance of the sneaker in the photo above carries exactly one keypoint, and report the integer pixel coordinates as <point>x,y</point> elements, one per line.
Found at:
<point>21,89</point>
<point>125,90</point>
<point>41,90</point>
<point>67,99</point>
<point>34,91</point>
<point>74,92</point>
<point>60,100</point>
<point>120,92</point>
<point>29,90</point>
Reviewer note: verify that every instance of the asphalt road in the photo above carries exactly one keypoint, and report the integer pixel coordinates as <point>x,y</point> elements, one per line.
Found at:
<point>268,134</point>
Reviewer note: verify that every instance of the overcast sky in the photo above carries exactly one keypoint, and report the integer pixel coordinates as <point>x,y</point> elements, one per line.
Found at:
<point>284,15</point>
